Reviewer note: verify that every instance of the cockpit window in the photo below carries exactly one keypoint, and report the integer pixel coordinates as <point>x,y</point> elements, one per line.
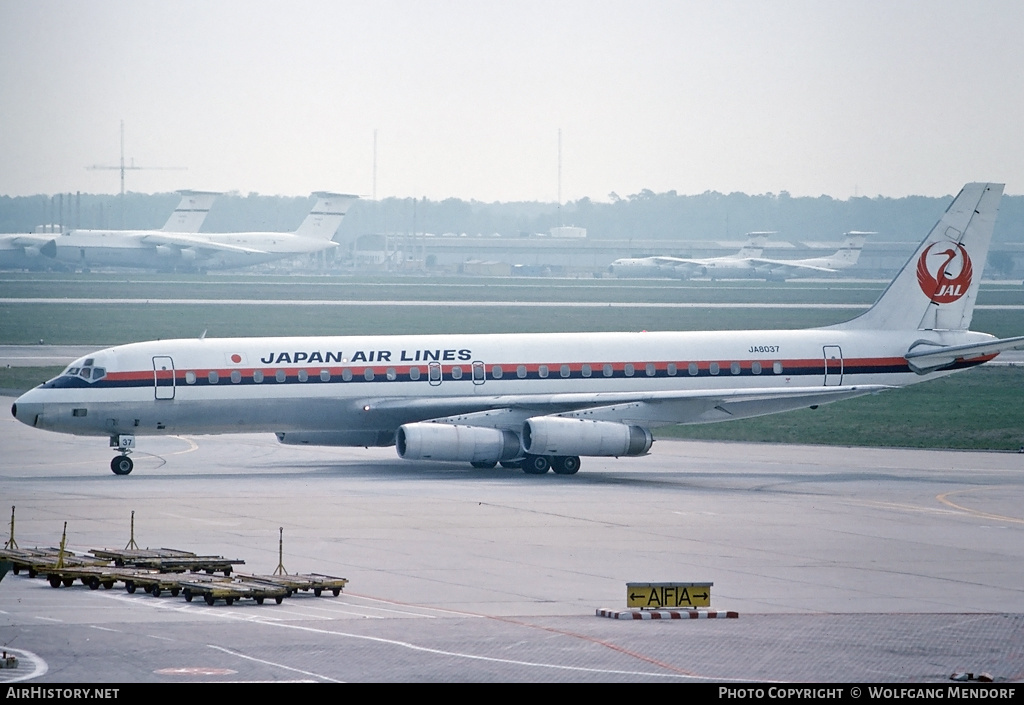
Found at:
<point>87,372</point>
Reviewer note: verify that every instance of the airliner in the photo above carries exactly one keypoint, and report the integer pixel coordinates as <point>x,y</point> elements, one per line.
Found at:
<point>757,267</point>
<point>30,249</point>
<point>179,246</point>
<point>533,401</point>
<point>683,268</point>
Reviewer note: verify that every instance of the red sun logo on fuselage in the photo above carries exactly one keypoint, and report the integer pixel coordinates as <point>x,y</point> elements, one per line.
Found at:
<point>943,288</point>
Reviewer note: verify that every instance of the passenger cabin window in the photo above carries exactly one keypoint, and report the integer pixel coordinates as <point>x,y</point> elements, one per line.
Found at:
<point>190,377</point>
<point>346,374</point>
<point>585,370</point>
<point>213,377</point>
<point>671,369</point>
<point>325,375</point>
<point>628,369</point>
<point>257,376</point>
<point>280,376</point>
<point>521,372</point>
<point>236,376</point>
<point>607,370</point>
<point>496,372</point>
<point>303,375</point>
<point>414,373</point>
<point>777,367</point>
<point>564,370</point>
<point>649,369</point>
<point>542,371</point>
<point>692,369</point>
<point>713,368</point>
<point>755,367</point>
<point>456,372</point>
<point>392,374</point>
<point>735,368</point>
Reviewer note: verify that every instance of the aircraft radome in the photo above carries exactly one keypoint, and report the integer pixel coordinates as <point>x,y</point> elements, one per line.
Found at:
<point>535,401</point>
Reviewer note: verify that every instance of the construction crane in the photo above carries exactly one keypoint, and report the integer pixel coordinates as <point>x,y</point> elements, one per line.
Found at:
<point>131,167</point>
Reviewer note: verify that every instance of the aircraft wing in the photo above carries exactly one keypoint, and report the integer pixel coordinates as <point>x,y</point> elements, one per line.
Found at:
<point>927,357</point>
<point>649,409</point>
<point>199,243</point>
<point>790,265</point>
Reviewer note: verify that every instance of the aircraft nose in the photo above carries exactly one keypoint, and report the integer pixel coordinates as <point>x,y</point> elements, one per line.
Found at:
<point>26,411</point>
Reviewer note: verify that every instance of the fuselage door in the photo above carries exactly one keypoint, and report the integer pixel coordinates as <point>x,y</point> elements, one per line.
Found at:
<point>833,365</point>
<point>479,373</point>
<point>434,373</point>
<point>163,377</point>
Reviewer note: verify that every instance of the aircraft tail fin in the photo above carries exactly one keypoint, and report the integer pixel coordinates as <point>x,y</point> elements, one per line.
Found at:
<point>849,252</point>
<point>755,244</point>
<point>188,217</point>
<point>326,216</point>
<point>938,286</point>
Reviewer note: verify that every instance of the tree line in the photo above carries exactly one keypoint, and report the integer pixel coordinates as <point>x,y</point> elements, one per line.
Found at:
<point>645,215</point>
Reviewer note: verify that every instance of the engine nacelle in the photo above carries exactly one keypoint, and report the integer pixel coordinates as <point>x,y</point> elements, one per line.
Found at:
<point>168,252</point>
<point>554,435</point>
<point>365,439</point>
<point>437,441</point>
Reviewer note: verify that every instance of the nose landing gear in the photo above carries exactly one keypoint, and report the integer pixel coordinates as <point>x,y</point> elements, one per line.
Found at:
<point>122,464</point>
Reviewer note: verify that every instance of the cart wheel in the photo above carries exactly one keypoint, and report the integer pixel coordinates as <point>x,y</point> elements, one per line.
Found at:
<point>155,592</point>
<point>336,591</point>
<point>94,583</point>
<point>188,595</point>
<point>109,584</point>
<point>259,600</point>
<point>130,587</point>
<point>68,582</point>
<point>174,591</point>
<point>54,581</point>
<point>317,591</point>
<point>209,599</point>
<point>229,600</point>
<point>278,599</point>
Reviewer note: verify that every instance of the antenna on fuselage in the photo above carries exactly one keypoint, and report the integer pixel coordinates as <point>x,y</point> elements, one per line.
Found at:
<point>202,336</point>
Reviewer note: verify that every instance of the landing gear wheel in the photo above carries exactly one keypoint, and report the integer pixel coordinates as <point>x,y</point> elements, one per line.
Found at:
<point>536,464</point>
<point>484,465</point>
<point>566,464</point>
<point>121,465</point>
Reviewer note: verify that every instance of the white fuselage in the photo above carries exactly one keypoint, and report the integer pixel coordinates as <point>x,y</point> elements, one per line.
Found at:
<point>119,248</point>
<point>368,386</point>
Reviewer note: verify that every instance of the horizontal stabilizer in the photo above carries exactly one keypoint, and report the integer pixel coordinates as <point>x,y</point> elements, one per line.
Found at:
<point>927,357</point>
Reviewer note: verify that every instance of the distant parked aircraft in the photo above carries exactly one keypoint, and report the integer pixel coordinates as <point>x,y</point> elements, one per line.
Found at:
<point>683,268</point>
<point>179,246</point>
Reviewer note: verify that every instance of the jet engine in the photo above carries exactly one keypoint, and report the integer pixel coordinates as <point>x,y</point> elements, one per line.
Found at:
<point>436,441</point>
<point>555,435</point>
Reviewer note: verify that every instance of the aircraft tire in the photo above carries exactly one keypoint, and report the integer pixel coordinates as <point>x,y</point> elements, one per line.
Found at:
<point>121,465</point>
<point>536,464</point>
<point>566,464</point>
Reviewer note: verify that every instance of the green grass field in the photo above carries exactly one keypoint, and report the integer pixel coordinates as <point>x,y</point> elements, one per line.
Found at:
<point>978,409</point>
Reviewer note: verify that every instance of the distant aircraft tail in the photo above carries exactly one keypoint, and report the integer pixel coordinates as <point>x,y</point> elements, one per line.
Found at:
<point>326,216</point>
<point>755,245</point>
<point>849,252</point>
<point>937,288</point>
<point>188,217</point>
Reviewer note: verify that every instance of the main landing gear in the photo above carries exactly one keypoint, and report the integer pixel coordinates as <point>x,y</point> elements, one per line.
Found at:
<point>538,464</point>
<point>561,464</point>
<point>122,464</point>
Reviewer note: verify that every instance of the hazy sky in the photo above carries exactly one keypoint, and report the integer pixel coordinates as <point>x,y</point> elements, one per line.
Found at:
<point>866,97</point>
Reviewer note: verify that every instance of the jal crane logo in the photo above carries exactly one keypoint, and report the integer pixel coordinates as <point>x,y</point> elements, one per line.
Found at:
<point>942,287</point>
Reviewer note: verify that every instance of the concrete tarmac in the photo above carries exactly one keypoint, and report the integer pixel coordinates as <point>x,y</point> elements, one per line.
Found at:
<point>844,564</point>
